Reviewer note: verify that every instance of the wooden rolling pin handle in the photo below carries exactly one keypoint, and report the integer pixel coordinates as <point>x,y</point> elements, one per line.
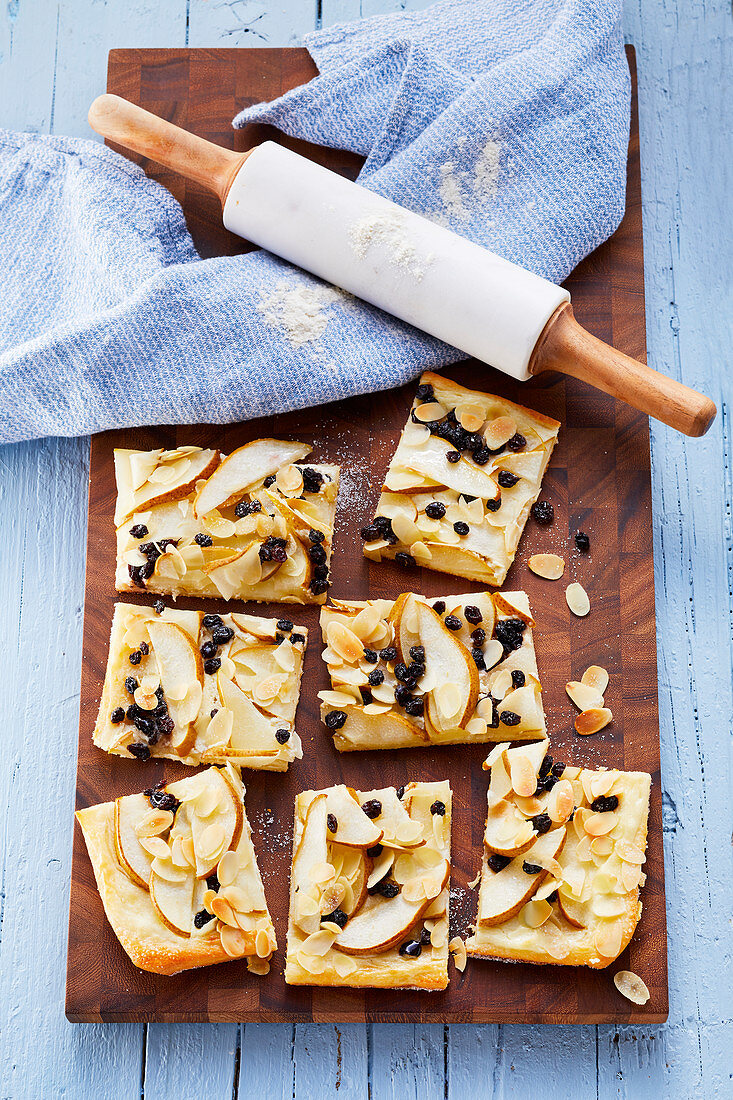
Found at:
<point>191,156</point>
<point>566,347</point>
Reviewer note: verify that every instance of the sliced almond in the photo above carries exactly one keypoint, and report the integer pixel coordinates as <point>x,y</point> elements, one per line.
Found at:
<point>154,822</point>
<point>429,412</point>
<point>536,913</point>
<point>630,853</point>
<point>600,824</point>
<point>155,847</point>
<point>344,642</point>
<point>289,480</point>
<point>607,939</point>
<point>471,416</point>
<point>457,949</point>
<point>631,987</point>
<point>561,801</point>
<point>319,943</point>
<point>577,599</point>
<point>523,775</point>
<point>583,695</point>
<point>498,432</point>
<point>233,941</point>
<point>591,721</point>
<point>596,677</point>
<point>549,566</point>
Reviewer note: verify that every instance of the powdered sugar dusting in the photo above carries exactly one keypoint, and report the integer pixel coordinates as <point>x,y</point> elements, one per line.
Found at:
<point>391,230</point>
<point>299,309</point>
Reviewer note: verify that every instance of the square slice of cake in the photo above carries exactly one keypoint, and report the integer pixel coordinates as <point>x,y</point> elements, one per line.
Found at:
<point>418,672</point>
<point>252,525</point>
<point>178,876</point>
<point>202,688</point>
<point>370,888</point>
<point>562,863</point>
<point>467,470</point>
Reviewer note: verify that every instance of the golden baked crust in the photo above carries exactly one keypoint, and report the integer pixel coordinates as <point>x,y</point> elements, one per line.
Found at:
<point>415,848</point>
<point>472,687</point>
<point>149,940</point>
<point>581,904</point>
<point>493,515</point>
<point>239,710</point>
<point>197,522</point>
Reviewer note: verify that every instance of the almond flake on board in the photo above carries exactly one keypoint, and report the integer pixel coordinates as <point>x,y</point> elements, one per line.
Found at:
<point>596,677</point>
<point>583,695</point>
<point>548,566</point>
<point>591,721</point>
<point>631,987</point>
<point>457,949</point>
<point>577,599</point>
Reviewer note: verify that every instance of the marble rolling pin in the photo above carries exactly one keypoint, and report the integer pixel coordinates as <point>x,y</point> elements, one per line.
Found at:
<point>397,260</point>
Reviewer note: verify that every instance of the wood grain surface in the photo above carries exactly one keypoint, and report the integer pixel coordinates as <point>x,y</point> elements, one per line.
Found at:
<point>598,480</point>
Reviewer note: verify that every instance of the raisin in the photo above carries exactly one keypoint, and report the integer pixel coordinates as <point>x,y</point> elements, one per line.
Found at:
<point>387,888</point>
<point>212,665</point>
<point>335,719</point>
<point>144,648</point>
<point>472,614</point>
<point>246,508</point>
<point>493,505</point>
<point>282,736</point>
<point>318,586</point>
<point>411,948</point>
<point>376,677</point>
<point>415,670</point>
<point>160,799</point>
<point>400,792</point>
<point>158,607</point>
<point>402,695</point>
<point>405,560</point>
<point>478,636</point>
<point>213,882</point>
<point>312,480</point>
<point>332,823</point>
<point>478,657</point>
<point>543,513</point>
<point>210,621</point>
<point>221,634</point>
<point>269,481</point>
<point>209,649</point>
<point>461,528</point>
<point>317,554</point>
<point>506,479</point>
<point>285,624</point>
<point>558,769</point>
<point>497,863</point>
<point>453,622</point>
<point>213,712</point>
<point>582,542</point>
<point>389,653</point>
<point>415,707</point>
<point>139,531</point>
<point>400,671</point>
<point>366,695</point>
<point>552,897</point>
<point>131,685</point>
<point>435,510</point>
<point>453,456</point>
<point>316,536</point>
<point>136,657</point>
<point>510,633</point>
<point>372,807</point>
<point>369,533</point>
<point>202,918</point>
<point>370,656</point>
<point>517,442</point>
<point>518,678</point>
<point>417,652</point>
<point>203,539</point>
<point>137,749</point>
<point>425,936</point>
<point>295,638</point>
<point>117,716</point>
<point>605,804</point>
<point>438,808</point>
<point>531,868</point>
<point>509,718</point>
<point>273,549</point>
<point>337,917</point>
<point>545,767</point>
<point>541,823</point>
<point>425,392</point>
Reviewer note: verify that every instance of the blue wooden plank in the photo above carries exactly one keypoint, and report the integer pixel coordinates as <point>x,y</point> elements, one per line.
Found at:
<point>407,1061</point>
<point>196,1060</point>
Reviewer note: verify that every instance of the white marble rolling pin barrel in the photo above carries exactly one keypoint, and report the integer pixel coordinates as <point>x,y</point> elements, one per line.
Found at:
<point>399,261</point>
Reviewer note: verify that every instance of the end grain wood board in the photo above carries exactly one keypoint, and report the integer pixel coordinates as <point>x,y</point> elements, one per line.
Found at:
<point>598,480</point>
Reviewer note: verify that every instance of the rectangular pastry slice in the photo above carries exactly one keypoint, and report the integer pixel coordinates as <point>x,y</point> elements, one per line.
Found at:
<point>467,470</point>
<point>370,888</point>
<point>563,852</point>
<point>178,876</point>
<point>251,525</point>
<point>202,689</point>
<point>459,669</point>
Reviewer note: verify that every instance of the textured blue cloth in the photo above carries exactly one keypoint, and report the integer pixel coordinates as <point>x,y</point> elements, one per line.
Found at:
<point>507,121</point>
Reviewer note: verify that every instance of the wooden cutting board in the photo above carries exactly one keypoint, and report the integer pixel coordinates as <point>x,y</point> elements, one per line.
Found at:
<point>598,480</point>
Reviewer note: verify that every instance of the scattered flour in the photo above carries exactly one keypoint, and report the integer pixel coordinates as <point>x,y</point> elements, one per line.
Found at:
<point>299,309</point>
<point>450,190</point>
<point>486,171</point>
<point>483,180</point>
<point>390,230</point>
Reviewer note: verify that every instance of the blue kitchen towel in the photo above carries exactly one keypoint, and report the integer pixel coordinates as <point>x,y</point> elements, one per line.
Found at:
<point>505,120</point>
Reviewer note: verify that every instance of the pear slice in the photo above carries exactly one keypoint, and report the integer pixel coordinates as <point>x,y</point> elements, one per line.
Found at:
<point>173,902</point>
<point>312,849</point>
<point>353,827</point>
<point>180,666</point>
<point>503,893</point>
<point>399,830</point>
<point>382,923</point>
<point>368,731</point>
<point>359,887</point>
<point>454,668</point>
<point>253,733</point>
<point>228,813</point>
<point>245,468</point>
<point>508,832</point>
<point>405,624</point>
<point>133,857</point>
<point>200,464</point>
<point>409,483</point>
<point>430,462</point>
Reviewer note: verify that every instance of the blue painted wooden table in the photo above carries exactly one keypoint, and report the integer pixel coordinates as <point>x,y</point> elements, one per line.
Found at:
<point>52,63</point>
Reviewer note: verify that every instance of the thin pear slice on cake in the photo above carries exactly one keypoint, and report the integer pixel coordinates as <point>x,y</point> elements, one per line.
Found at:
<point>507,832</point>
<point>353,827</point>
<point>215,813</point>
<point>368,731</point>
<point>399,830</point>
<point>193,467</point>
<point>245,468</point>
<point>312,850</point>
<point>382,922</point>
<point>253,734</point>
<point>405,624</point>
<point>503,893</point>
<point>454,695</point>
<point>131,854</point>
<point>181,675</point>
<point>173,901</point>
